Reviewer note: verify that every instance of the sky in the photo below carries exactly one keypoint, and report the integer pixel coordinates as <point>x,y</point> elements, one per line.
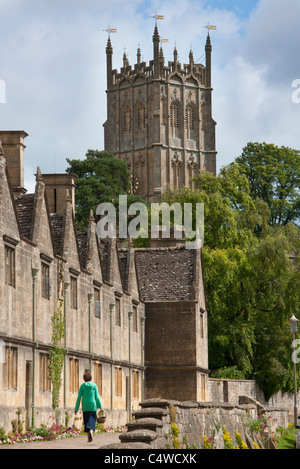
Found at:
<point>53,69</point>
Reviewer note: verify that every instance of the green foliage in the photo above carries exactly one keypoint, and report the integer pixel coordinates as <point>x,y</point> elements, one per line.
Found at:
<point>230,372</point>
<point>101,178</point>
<point>57,353</point>
<point>2,434</point>
<point>286,437</point>
<point>252,285</point>
<point>274,176</point>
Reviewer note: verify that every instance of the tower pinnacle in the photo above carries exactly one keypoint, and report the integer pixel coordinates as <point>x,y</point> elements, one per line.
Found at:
<point>156,42</point>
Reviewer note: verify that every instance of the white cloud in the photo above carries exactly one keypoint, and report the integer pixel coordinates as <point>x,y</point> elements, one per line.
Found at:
<point>54,65</point>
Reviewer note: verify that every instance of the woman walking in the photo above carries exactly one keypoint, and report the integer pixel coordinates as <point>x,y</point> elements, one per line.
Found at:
<point>89,394</point>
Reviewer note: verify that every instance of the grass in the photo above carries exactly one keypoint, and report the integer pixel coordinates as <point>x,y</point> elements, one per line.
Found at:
<point>288,439</point>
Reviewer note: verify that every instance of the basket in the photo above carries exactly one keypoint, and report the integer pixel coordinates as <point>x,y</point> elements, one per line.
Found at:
<point>101,417</point>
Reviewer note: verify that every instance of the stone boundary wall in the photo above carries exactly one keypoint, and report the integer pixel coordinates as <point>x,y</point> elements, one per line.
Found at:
<point>167,424</point>
<point>229,390</point>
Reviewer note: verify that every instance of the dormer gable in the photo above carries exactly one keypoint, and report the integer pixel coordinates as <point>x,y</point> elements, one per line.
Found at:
<point>41,233</point>
<point>70,247</point>
<point>127,268</point>
<point>89,250</point>
<point>8,212</point>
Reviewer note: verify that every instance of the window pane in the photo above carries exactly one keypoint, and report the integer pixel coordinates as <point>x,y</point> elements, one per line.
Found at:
<point>46,281</point>
<point>97,303</point>
<point>118,312</point>
<point>9,266</point>
<point>73,292</point>
<point>11,368</point>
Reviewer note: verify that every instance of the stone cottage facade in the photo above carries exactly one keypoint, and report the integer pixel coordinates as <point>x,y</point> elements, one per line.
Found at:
<point>159,119</point>
<point>135,317</point>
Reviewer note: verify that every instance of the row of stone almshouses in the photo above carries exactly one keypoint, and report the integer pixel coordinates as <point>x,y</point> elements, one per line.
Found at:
<point>104,294</point>
<point>46,265</point>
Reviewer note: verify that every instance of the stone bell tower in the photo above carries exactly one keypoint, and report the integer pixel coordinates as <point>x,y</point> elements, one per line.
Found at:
<point>159,118</point>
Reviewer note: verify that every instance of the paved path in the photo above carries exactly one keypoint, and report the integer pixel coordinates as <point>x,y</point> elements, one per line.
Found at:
<point>80,442</point>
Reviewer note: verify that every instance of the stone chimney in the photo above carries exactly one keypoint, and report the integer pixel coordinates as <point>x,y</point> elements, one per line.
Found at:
<point>56,187</point>
<point>13,149</point>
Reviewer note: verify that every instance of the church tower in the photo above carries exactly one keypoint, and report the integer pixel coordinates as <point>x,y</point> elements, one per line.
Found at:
<point>159,119</point>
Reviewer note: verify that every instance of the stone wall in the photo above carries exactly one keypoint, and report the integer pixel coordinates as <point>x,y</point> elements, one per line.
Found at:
<point>230,390</point>
<point>167,424</point>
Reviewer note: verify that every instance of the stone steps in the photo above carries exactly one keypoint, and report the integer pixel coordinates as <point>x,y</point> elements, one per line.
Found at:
<point>140,436</point>
<point>146,423</point>
<point>151,412</point>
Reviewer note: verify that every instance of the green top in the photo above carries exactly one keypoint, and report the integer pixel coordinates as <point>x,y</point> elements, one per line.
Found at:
<point>90,398</point>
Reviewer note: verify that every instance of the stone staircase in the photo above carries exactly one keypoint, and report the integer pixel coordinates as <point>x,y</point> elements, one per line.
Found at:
<point>149,427</point>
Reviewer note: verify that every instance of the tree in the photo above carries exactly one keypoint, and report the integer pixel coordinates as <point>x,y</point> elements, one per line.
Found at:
<point>275,284</point>
<point>252,285</point>
<point>101,178</point>
<point>274,176</point>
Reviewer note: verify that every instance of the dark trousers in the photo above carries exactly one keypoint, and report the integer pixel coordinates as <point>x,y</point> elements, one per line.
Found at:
<point>89,419</point>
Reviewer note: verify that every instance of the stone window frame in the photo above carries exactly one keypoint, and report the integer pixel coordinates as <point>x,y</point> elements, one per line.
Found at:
<point>73,375</point>
<point>10,263</point>
<point>118,312</point>
<point>74,292</point>
<point>118,387</point>
<point>202,387</point>
<point>190,120</point>
<point>10,368</point>
<point>135,384</point>
<point>135,318</point>
<point>46,283</point>
<point>45,381</point>
<point>118,309</point>
<point>140,116</point>
<point>97,302</point>
<point>126,121</point>
<point>175,120</point>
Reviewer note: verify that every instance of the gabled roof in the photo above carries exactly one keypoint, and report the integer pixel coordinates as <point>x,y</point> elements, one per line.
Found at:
<point>57,227</point>
<point>82,240</point>
<point>105,253</point>
<point>123,263</point>
<point>166,274</point>
<point>25,207</point>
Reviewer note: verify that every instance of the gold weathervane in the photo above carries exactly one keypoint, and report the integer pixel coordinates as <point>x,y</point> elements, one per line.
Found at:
<point>110,30</point>
<point>157,17</point>
<point>210,27</point>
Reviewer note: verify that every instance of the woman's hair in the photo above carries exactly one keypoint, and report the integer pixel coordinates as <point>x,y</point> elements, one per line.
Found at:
<point>87,376</point>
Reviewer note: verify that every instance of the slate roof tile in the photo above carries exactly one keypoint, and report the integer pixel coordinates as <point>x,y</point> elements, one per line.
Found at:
<point>165,274</point>
<point>24,207</point>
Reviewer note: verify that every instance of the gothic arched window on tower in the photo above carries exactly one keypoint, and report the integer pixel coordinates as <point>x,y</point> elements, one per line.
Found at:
<point>126,121</point>
<point>175,119</point>
<point>190,121</point>
<point>140,116</point>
